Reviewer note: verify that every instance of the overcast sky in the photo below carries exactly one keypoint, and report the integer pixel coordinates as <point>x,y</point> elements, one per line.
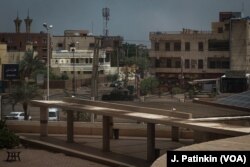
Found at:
<point>132,19</point>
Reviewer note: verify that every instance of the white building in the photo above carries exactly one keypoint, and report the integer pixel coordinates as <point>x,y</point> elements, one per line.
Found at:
<point>80,61</point>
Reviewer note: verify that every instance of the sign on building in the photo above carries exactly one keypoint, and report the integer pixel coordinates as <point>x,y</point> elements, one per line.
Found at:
<point>10,71</point>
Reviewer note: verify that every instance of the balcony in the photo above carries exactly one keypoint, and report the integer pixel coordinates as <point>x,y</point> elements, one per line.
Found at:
<point>80,67</point>
<point>186,54</point>
<point>77,54</point>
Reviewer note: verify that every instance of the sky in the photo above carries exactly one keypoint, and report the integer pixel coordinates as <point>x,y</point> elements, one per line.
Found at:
<point>131,19</point>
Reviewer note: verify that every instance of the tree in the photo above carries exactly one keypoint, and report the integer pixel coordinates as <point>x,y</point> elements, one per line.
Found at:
<point>26,90</point>
<point>148,85</point>
<point>30,66</point>
<point>24,93</point>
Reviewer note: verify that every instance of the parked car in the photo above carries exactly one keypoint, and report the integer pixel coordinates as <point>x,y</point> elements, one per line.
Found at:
<point>16,116</point>
<point>53,114</point>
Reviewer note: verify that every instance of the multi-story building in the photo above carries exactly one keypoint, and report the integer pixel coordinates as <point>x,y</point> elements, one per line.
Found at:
<point>192,54</point>
<point>73,53</point>
<point>79,61</point>
<point>9,58</point>
<point>17,41</point>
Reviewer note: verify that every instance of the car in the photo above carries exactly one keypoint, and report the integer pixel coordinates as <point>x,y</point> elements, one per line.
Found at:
<point>53,114</point>
<point>16,115</point>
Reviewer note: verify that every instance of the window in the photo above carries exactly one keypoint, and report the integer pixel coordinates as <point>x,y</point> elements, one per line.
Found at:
<point>187,63</point>
<point>86,61</point>
<point>60,45</point>
<point>177,46</point>
<point>157,46</point>
<point>220,30</point>
<point>91,45</point>
<point>200,46</point>
<point>167,46</point>
<point>187,46</point>
<point>44,50</point>
<point>101,60</point>
<point>178,64</point>
<point>218,63</point>
<point>157,63</point>
<point>107,59</point>
<point>225,64</point>
<point>218,45</point>
<point>169,63</point>
<point>200,64</point>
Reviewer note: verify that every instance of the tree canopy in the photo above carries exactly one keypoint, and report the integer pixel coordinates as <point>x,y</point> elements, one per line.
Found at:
<point>26,90</point>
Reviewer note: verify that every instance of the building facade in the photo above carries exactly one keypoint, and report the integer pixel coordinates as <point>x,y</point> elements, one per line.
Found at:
<point>11,57</point>
<point>73,53</point>
<point>192,54</point>
<point>79,62</point>
<point>17,41</point>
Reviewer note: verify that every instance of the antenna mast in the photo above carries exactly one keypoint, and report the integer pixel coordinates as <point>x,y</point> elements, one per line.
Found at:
<point>105,15</point>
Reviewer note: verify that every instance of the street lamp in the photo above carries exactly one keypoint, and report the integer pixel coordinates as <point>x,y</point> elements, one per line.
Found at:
<point>74,75</point>
<point>48,27</point>
<point>73,44</point>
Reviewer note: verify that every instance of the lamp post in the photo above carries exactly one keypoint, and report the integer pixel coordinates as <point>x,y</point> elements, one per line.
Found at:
<point>74,63</point>
<point>74,75</point>
<point>48,27</point>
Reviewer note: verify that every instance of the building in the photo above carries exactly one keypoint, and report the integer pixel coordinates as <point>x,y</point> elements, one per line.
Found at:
<point>74,51</point>
<point>11,59</point>
<point>17,41</point>
<point>191,54</point>
<point>79,61</point>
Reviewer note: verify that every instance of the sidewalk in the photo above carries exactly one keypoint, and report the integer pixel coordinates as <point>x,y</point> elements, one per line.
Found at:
<point>124,151</point>
<point>40,158</point>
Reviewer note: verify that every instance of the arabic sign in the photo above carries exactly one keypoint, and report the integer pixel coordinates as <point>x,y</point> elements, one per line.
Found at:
<point>10,71</point>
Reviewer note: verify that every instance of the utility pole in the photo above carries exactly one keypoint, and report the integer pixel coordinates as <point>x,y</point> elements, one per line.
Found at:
<point>94,80</point>
<point>95,69</point>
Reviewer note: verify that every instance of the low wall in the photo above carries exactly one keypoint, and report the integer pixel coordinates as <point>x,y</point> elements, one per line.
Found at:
<point>86,128</point>
<point>221,105</point>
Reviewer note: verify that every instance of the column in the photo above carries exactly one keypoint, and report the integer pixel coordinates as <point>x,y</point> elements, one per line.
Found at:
<point>70,126</point>
<point>106,133</point>
<point>43,121</point>
<point>175,133</point>
<point>150,142</point>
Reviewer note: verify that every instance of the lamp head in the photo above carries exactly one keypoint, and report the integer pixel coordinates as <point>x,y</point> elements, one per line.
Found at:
<point>45,25</point>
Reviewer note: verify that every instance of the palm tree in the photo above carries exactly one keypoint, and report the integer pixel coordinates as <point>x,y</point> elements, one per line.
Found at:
<point>30,66</point>
<point>23,93</point>
<point>26,90</point>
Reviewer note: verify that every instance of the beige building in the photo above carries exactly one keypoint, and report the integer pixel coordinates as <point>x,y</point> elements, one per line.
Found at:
<point>192,54</point>
<point>11,57</point>
<point>72,53</point>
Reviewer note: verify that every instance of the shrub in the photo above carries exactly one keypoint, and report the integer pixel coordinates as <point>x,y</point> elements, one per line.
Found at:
<point>7,138</point>
<point>176,90</point>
